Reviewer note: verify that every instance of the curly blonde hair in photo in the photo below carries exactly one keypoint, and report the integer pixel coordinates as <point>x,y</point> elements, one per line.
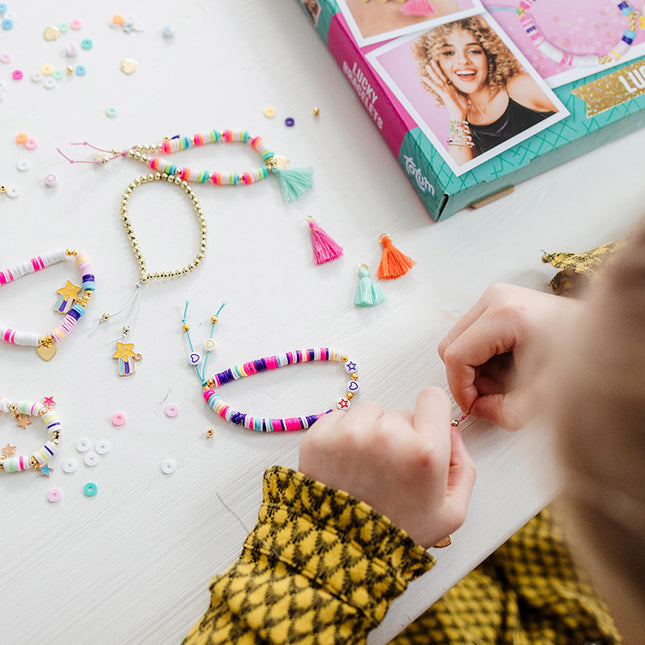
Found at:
<point>502,65</point>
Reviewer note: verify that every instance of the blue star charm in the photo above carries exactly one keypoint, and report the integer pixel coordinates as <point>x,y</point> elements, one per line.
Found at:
<point>46,470</point>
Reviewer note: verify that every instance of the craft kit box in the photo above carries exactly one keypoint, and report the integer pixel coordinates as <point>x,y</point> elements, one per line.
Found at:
<point>475,96</point>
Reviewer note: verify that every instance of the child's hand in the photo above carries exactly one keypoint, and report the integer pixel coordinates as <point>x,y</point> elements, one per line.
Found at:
<point>495,351</point>
<point>411,467</point>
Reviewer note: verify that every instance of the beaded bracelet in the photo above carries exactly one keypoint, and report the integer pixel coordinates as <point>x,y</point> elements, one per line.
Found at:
<point>293,181</point>
<point>11,463</point>
<point>262,424</point>
<point>68,303</point>
<point>125,352</point>
<point>573,60</point>
<point>243,370</point>
<point>460,134</point>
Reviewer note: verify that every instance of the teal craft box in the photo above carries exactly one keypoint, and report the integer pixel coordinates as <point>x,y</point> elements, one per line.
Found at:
<point>444,191</point>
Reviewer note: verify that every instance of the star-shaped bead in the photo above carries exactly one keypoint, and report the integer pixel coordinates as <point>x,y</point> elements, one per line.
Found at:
<point>124,351</point>
<point>351,366</point>
<point>46,470</point>
<point>69,291</point>
<point>343,403</point>
<point>49,401</point>
<point>9,450</point>
<point>23,420</point>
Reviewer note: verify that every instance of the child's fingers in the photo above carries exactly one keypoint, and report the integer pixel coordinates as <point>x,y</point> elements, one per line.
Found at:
<point>461,476</point>
<point>480,342</point>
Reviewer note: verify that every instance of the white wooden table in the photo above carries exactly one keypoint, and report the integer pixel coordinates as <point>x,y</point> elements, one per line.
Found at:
<point>132,564</point>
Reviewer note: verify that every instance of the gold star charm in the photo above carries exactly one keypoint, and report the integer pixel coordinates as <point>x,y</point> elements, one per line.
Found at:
<point>9,450</point>
<point>124,351</point>
<point>23,420</point>
<point>70,291</point>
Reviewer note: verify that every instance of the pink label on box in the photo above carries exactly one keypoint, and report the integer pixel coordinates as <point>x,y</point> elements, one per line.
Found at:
<point>389,116</point>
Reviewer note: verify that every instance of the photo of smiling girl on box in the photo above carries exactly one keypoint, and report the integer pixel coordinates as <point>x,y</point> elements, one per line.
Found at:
<point>488,96</point>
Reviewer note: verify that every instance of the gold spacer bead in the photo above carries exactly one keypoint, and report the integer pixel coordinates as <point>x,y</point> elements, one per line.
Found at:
<point>344,358</point>
<point>210,432</point>
<point>214,319</point>
<point>454,423</point>
<point>349,396</point>
<point>354,376</point>
<point>210,382</point>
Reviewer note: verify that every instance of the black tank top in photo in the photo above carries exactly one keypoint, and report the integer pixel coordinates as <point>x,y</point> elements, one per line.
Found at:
<point>516,119</point>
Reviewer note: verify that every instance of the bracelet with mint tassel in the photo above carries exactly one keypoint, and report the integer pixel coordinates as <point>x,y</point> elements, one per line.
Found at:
<point>293,181</point>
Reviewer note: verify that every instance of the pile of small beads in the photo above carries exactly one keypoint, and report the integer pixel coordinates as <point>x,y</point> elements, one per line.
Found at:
<point>271,363</point>
<point>11,463</point>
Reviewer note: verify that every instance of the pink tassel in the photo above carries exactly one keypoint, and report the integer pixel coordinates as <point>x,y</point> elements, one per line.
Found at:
<point>325,249</point>
<point>417,8</point>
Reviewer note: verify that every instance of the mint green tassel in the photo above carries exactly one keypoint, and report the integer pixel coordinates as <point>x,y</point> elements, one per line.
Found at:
<point>294,181</point>
<point>367,292</point>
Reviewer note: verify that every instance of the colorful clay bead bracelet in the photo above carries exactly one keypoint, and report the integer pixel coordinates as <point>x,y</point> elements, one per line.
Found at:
<point>262,424</point>
<point>293,181</point>
<point>69,301</point>
<point>243,370</point>
<point>12,463</point>
<point>572,60</point>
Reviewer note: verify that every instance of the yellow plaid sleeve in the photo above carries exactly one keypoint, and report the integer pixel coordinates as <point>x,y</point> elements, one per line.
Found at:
<point>319,568</point>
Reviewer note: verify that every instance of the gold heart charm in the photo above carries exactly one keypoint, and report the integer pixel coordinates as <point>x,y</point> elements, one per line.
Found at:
<point>46,352</point>
<point>144,274</point>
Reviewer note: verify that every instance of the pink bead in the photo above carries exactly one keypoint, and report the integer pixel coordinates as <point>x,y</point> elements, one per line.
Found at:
<point>32,142</point>
<point>75,24</point>
<point>172,410</point>
<point>17,75</point>
<point>54,495</point>
<point>118,419</point>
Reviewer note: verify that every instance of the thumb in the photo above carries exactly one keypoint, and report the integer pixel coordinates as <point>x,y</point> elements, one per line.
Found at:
<point>461,475</point>
<point>432,420</point>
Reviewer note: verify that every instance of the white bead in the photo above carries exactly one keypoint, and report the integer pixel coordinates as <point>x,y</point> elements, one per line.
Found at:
<point>167,466</point>
<point>350,367</point>
<point>102,447</point>
<point>91,459</point>
<point>83,445</point>
<point>353,387</point>
<point>70,465</point>
<point>194,358</point>
<point>209,344</point>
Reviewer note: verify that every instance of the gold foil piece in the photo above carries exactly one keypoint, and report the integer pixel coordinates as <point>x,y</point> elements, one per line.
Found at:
<point>613,89</point>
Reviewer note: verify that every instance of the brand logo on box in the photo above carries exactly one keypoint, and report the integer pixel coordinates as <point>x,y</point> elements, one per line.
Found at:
<point>422,181</point>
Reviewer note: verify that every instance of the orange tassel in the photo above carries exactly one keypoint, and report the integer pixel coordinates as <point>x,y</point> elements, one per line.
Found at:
<point>393,264</point>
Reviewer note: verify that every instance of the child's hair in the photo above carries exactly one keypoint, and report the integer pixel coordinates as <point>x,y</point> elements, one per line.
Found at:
<point>599,401</point>
<point>502,65</point>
